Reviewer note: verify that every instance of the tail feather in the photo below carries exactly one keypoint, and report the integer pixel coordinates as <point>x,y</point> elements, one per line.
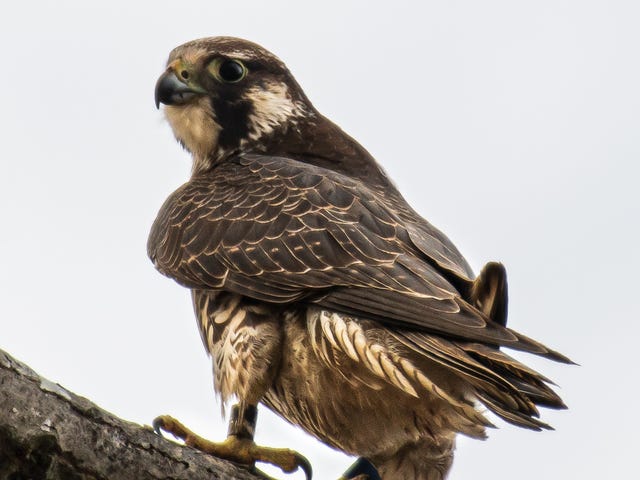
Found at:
<point>507,387</point>
<point>529,382</point>
<point>513,416</point>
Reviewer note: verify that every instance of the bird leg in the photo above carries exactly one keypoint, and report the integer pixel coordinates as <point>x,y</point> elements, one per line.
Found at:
<point>239,446</point>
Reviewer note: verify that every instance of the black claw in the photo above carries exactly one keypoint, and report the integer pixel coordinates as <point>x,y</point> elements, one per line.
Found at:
<point>157,425</point>
<point>362,466</point>
<point>305,465</point>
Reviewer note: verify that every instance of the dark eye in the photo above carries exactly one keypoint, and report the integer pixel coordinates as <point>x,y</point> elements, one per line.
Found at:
<point>231,71</point>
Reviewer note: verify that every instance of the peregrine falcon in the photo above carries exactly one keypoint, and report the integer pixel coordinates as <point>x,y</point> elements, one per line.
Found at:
<point>318,291</point>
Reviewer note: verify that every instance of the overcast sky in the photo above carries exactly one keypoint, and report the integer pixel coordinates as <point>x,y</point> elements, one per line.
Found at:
<point>512,126</point>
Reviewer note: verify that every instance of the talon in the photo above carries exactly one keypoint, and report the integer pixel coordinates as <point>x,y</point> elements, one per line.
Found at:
<point>305,465</point>
<point>287,460</point>
<point>158,425</point>
<point>362,469</point>
<point>170,425</point>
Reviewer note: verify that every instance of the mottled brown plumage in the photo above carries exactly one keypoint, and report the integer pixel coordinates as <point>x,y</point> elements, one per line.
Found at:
<point>319,291</point>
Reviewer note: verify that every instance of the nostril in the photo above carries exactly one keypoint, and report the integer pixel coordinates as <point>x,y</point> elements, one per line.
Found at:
<point>184,74</point>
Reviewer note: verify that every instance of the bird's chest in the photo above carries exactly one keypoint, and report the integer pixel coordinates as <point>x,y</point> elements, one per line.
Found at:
<point>243,339</point>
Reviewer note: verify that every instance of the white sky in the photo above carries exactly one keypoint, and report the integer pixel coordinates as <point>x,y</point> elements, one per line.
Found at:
<point>513,126</point>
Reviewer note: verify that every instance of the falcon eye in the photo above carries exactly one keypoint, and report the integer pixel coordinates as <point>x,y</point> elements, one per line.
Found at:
<point>231,71</point>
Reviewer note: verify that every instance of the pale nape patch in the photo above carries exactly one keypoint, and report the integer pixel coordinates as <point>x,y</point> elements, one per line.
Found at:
<point>272,106</point>
<point>194,126</point>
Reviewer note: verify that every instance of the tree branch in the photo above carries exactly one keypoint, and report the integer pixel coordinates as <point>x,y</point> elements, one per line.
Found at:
<point>48,432</point>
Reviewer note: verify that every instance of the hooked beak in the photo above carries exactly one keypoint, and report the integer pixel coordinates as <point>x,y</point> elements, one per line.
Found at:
<point>170,90</point>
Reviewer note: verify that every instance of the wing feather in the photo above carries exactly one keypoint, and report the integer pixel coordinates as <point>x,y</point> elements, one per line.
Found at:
<point>279,230</point>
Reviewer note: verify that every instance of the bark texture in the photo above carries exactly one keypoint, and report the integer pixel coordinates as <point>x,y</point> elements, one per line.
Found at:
<point>47,432</point>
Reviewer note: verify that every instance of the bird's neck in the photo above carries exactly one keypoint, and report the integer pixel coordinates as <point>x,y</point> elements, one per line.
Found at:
<point>318,141</point>
<point>312,139</point>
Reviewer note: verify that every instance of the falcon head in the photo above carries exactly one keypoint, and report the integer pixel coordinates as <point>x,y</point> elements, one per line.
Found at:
<point>225,96</point>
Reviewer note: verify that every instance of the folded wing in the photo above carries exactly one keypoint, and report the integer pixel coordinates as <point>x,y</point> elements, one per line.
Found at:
<point>281,231</point>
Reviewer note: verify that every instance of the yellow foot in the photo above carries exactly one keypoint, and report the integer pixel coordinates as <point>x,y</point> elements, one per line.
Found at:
<point>235,449</point>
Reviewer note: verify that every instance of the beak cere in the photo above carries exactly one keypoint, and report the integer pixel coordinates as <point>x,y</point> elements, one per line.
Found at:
<point>170,90</point>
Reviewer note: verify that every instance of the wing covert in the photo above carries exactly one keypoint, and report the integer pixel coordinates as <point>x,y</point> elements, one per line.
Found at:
<point>278,230</point>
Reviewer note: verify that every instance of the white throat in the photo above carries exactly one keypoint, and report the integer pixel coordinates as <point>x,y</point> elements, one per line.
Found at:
<point>195,126</point>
